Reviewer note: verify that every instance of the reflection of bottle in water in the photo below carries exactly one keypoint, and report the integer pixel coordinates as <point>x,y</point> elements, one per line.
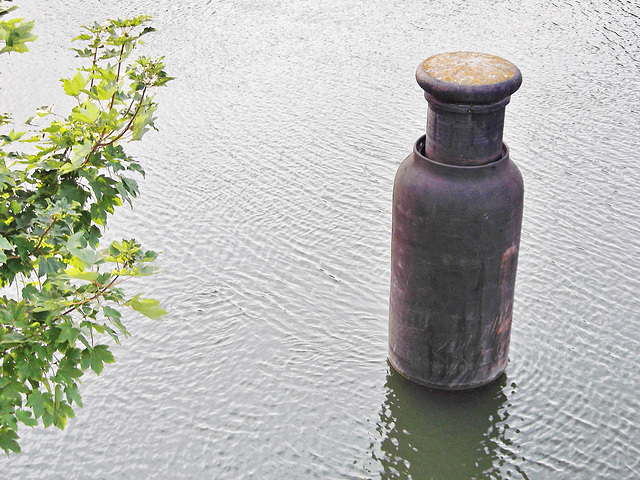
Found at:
<point>430,434</point>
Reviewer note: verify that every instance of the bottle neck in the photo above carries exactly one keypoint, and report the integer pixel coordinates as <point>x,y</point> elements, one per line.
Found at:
<point>464,134</point>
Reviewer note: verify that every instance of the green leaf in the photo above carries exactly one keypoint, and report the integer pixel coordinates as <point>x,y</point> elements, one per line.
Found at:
<point>62,414</point>
<point>102,352</point>
<point>17,311</point>
<point>30,369</point>
<point>114,316</point>
<point>95,357</point>
<point>147,306</point>
<point>69,333</point>
<point>75,272</point>
<point>47,416</point>
<point>104,91</point>
<point>130,185</point>
<point>36,401</point>
<point>25,417</point>
<point>10,339</point>
<point>79,154</point>
<point>4,244</point>
<point>141,121</point>
<point>73,394</point>
<point>67,372</point>
<point>7,10</point>
<point>47,265</point>
<point>15,34</point>
<point>72,87</point>
<point>88,113</point>
<point>29,291</point>
<point>8,440</point>
<point>87,256</point>
<point>85,361</point>
<point>57,397</point>
<point>9,420</point>
<point>111,312</point>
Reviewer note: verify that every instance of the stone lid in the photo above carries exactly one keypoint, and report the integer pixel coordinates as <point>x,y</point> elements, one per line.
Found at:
<point>468,77</point>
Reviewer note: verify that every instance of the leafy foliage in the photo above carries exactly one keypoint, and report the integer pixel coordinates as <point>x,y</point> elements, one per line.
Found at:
<point>15,33</point>
<point>60,292</point>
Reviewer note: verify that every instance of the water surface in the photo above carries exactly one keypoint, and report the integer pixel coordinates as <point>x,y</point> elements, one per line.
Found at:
<point>269,192</point>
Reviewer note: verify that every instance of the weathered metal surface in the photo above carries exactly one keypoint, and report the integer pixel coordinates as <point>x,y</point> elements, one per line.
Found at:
<point>467,94</point>
<point>469,68</point>
<point>468,77</point>
<point>457,214</point>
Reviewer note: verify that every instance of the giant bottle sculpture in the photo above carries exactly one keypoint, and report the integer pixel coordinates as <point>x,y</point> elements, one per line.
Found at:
<point>457,214</point>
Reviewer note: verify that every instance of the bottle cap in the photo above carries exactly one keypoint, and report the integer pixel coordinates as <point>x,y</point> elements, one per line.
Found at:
<point>468,77</point>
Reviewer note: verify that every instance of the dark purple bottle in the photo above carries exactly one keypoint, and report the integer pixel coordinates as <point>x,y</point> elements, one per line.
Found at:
<point>457,214</point>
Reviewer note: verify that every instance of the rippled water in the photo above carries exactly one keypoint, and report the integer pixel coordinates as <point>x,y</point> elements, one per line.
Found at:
<point>269,192</point>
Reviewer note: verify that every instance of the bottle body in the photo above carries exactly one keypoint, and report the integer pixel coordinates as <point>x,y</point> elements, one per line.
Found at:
<point>455,241</point>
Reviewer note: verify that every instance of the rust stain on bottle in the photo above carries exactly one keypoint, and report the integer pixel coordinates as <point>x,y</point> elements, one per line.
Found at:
<point>507,283</point>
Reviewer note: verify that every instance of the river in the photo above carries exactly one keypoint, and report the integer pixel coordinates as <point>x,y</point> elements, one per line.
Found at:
<point>268,190</point>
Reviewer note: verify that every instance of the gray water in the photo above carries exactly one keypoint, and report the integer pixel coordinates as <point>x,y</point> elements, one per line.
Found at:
<point>269,192</point>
